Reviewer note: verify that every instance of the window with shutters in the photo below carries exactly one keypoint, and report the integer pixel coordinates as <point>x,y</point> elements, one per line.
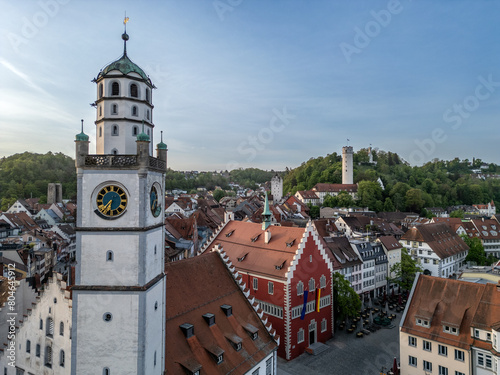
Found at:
<point>49,328</point>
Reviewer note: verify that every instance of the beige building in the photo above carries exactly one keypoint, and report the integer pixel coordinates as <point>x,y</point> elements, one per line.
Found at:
<point>450,327</point>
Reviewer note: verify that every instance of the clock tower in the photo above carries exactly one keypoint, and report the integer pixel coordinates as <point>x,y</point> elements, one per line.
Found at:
<point>119,285</point>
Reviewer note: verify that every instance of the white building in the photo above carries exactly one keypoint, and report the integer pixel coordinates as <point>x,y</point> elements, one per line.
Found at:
<point>119,291</point>
<point>43,337</point>
<point>438,249</point>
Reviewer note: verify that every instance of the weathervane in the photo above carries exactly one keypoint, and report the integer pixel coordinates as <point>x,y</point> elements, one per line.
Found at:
<point>125,35</point>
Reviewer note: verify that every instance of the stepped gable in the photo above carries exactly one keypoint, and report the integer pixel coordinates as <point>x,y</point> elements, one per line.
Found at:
<point>207,284</point>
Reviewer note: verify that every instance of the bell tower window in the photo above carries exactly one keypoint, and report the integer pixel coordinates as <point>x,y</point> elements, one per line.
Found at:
<point>100,131</point>
<point>147,114</point>
<point>115,89</point>
<point>115,130</point>
<point>114,109</point>
<point>135,131</point>
<point>100,110</point>
<point>101,90</point>
<point>109,256</point>
<point>134,110</point>
<point>114,151</point>
<point>147,95</point>
<point>134,92</point>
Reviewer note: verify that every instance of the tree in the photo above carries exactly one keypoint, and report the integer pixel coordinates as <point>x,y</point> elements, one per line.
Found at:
<point>414,200</point>
<point>405,271</point>
<point>313,211</point>
<point>369,193</point>
<point>330,201</point>
<point>346,301</point>
<point>218,194</point>
<point>457,213</point>
<point>345,199</point>
<point>388,205</point>
<point>476,250</point>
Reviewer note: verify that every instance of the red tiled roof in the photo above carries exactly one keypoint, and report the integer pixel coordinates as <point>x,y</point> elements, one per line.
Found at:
<point>443,302</point>
<point>307,194</point>
<point>200,285</point>
<point>440,238</point>
<point>488,228</point>
<point>390,242</point>
<point>244,243</point>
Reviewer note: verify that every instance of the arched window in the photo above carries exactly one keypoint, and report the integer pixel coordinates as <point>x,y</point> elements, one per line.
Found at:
<point>154,360</point>
<point>100,110</point>
<point>101,91</point>
<point>48,356</point>
<point>109,256</point>
<point>135,131</point>
<point>38,350</point>
<point>114,130</point>
<point>61,329</point>
<point>49,327</point>
<point>147,114</point>
<point>114,109</point>
<point>322,281</point>
<point>114,151</point>
<point>41,323</point>
<point>61,358</point>
<point>300,288</point>
<point>100,131</point>
<point>115,88</point>
<point>134,110</point>
<point>311,285</point>
<point>134,92</point>
<point>148,132</point>
<point>28,346</point>
<point>147,95</point>
<point>106,371</point>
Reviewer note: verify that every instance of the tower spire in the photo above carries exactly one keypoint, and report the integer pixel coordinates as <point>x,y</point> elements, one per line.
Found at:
<point>125,35</point>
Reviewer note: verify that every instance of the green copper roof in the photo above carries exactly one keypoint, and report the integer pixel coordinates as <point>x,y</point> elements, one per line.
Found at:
<point>82,137</point>
<point>143,137</point>
<point>161,146</point>
<point>126,66</point>
<point>266,207</point>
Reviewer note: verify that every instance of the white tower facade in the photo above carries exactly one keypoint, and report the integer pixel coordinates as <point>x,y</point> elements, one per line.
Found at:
<point>276,188</point>
<point>347,168</point>
<point>118,322</point>
<point>124,103</point>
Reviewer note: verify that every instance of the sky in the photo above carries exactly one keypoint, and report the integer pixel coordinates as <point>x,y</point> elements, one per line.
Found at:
<point>266,84</point>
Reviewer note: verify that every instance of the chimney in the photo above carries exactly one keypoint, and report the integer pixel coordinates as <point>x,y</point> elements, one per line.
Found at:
<point>187,329</point>
<point>209,318</point>
<point>228,310</point>
<point>267,236</point>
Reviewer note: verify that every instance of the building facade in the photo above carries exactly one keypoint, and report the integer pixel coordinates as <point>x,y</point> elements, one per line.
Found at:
<point>119,286</point>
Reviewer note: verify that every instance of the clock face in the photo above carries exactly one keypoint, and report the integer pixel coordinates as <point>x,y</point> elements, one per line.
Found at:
<point>153,201</point>
<point>111,201</point>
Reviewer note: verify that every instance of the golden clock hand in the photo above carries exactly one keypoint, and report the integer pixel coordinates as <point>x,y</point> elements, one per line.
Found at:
<point>107,207</point>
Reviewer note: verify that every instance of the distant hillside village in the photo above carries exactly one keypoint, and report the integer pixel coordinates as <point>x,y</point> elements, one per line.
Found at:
<point>264,236</point>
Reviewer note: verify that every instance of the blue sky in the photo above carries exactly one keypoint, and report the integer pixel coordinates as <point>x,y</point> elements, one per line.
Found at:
<point>265,84</point>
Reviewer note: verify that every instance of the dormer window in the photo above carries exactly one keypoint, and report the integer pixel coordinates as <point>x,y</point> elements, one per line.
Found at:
<point>252,331</point>
<point>451,330</point>
<point>423,323</point>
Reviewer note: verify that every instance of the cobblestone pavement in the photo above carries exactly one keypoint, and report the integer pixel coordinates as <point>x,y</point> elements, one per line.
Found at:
<point>349,355</point>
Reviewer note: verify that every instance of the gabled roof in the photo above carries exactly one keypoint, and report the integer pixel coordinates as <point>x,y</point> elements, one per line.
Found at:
<point>439,237</point>
<point>307,194</point>
<point>390,242</point>
<point>343,252</point>
<point>201,285</point>
<point>244,243</point>
<point>443,302</point>
<point>488,229</point>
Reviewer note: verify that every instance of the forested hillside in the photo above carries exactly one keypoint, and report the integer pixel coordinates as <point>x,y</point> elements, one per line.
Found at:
<point>25,175</point>
<point>437,183</point>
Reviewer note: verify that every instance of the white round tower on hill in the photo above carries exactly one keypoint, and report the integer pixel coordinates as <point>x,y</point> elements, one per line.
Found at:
<point>347,172</point>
